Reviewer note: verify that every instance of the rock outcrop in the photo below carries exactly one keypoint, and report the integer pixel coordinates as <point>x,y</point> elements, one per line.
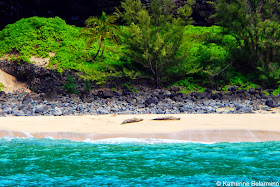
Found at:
<point>41,79</point>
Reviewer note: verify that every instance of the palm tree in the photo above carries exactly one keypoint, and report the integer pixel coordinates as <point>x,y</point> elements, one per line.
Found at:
<point>100,29</point>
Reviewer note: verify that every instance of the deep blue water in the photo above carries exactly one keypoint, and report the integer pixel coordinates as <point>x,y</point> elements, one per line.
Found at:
<point>45,162</point>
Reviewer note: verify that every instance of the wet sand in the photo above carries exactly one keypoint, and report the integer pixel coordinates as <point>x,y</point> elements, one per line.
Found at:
<point>191,127</point>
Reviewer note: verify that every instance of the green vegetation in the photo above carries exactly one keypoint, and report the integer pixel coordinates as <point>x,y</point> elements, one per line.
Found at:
<point>188,85</point>
<point>265,92</point>
<point>87,86</point>
<point>255,25</point>
<point>153,37</point>
<point>70,86</point>
<point>129,87</point>
<point>1,86</point>
<point>100,30</point>
<point>158,42</point>
<point>40,36</point>
<point>208,51</point>
<point>241,81</point>
<point>276,92</point>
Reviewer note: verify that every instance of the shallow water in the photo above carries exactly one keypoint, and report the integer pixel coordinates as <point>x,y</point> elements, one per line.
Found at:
<point>46,162</point>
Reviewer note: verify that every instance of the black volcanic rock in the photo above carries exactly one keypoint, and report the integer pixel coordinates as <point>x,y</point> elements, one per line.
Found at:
<point>2,94</point>
<point>150,101</point>
<point>271,103</point>
<point>40,79</point>
<point>105,94</point>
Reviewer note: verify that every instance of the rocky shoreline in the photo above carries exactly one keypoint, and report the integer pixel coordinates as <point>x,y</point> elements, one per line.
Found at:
<point>147,101</point>
<point>48,97</point>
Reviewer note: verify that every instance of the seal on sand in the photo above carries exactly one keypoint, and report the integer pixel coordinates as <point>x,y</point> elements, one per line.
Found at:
<point>167,118</point>
<point>132,120</point>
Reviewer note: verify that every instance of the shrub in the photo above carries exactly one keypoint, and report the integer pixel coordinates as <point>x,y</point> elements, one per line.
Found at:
<point>208,49</point>
<point>276,92</point>
<point>87,86</point>
<point>255,24</point>
<point>70,86</point>
<point>241,81</point>
<point>154,35</point>
<point>38,36</point>
<point>1,86</point>
<point>188,85</point>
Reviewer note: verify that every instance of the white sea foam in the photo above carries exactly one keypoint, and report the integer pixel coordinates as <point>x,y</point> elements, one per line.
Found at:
<point>49,137</point>
<point>122,140</point>
<point>10,138</point>
<point>27,134</point>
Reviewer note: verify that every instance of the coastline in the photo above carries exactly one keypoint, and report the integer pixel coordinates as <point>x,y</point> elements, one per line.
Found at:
<point>192,127</point>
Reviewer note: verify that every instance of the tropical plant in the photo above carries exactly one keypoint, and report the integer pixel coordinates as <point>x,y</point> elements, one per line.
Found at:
<point>255,24</point>
<point>101,29</point>
<point>153,36</point>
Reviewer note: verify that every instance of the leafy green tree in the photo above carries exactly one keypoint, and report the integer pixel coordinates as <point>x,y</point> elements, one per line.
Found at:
<point>100,29</point>
<point>153,36</point>
<point>255,24</point>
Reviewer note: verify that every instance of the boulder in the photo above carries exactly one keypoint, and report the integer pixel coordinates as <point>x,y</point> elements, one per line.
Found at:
<point>19,113</point>
<point>27,99</point>
<point>245,109</point>
<point>161,96</point>
<point>271,103</point>
<point>232,89</point>
<point>57,111</point>
<point>175,89</point>
<point>2,94</point>
<point>252,91</point>
<point>149,101</point>
<point>50,95</point>
<point>105,94</point>
<point>215,96</point>
<point>101,110</point>
<point>40,109</point>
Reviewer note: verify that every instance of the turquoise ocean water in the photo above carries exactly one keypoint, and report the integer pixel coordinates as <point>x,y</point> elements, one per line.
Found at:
<point>46,162</point>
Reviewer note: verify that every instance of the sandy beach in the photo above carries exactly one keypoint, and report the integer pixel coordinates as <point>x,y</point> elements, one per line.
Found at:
<point>191,127</point>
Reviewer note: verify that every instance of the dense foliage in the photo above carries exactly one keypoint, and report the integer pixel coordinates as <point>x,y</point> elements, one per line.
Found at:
<point>100,30</point>
<point>153,36</point>
<point>256,26</point>
<point>160,43</point>
<point>39,36</point>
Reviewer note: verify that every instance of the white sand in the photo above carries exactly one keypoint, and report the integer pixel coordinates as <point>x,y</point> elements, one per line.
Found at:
<point>191,127</point>
<point>11,83</point>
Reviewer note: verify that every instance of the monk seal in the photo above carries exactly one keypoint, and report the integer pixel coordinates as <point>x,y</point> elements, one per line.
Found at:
<point>132,120</point>
<point>167,118</point>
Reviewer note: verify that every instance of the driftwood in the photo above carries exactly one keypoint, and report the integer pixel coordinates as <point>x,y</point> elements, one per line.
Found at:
<point>132,120</point>
<point>167,118</point>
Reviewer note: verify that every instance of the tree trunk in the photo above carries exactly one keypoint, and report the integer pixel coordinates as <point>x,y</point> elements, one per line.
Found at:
<point>157,79</point>
<point>99,48</point>
<point>102,54</point>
